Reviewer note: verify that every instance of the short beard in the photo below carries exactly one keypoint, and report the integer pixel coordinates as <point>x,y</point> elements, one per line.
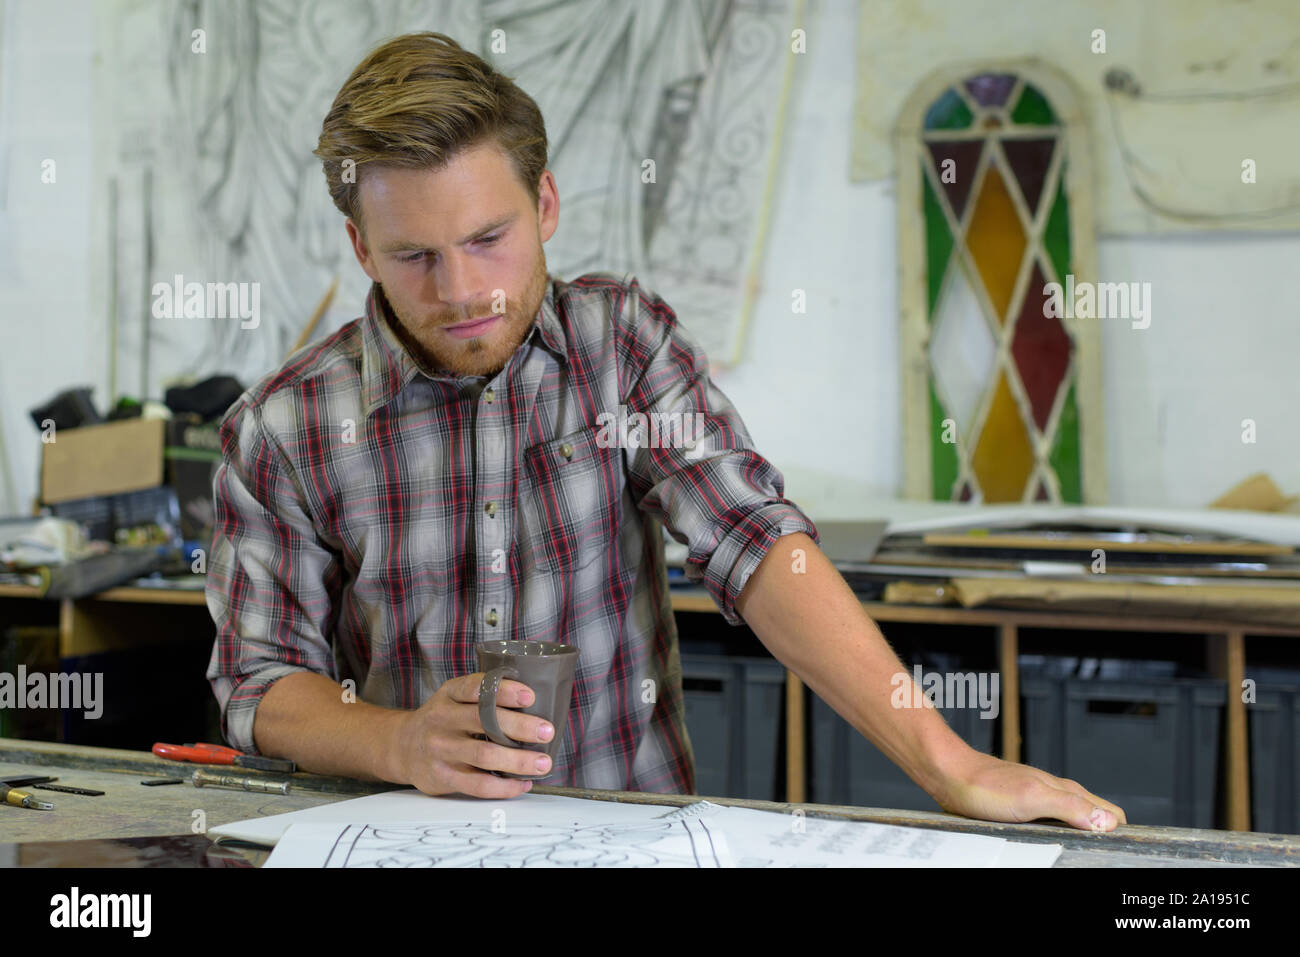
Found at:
<point>475,358</point>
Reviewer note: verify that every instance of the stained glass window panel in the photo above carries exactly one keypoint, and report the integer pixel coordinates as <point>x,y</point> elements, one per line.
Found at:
<point>1033,109</point>
<point>949,112</point>
<point>991,89</point>
<point>963,351</point>
<point>1065,451</point>
<point>1056,234</point>
<point>1029,160</point>
<point>1041,349</point>
<point>938,244</point>
<point>944,454</point>
<point>996,240</point>
<point>957,177</point>
<point>992,154</point>
<point>1004,456</point>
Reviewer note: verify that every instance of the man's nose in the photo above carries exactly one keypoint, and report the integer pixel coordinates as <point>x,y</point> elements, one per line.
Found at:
<point>458,283</point>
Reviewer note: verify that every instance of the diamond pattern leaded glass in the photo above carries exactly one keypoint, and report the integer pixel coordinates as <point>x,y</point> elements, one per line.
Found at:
<point>997,231</point>
<point>963,352</point>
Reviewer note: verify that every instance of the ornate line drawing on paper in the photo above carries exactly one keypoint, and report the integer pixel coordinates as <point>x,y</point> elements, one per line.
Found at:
<point>227,135</point>
<point>679,843</point>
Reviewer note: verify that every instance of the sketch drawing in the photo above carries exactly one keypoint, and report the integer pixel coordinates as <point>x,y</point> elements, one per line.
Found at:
<point>1176,170</point>
<point>661,117</point>
<point>680,843</point>
<point>1172,108</point>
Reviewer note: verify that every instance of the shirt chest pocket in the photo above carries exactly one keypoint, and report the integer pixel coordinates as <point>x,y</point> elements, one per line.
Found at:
<point>570,502</point>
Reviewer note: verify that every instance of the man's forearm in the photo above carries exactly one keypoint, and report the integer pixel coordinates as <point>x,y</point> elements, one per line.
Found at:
<point>303,717</point>
<point>813,623</point>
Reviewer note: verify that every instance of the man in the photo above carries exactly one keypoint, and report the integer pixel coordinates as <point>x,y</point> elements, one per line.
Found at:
<point>435,474</point>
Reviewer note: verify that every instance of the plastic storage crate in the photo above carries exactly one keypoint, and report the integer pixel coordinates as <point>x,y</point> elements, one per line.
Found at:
<point>35,648</point>
<point>848,769</point>
<point>733,715</point>
<point>1149,744</point>
<point>1274,719</point>
<point>148,694</point>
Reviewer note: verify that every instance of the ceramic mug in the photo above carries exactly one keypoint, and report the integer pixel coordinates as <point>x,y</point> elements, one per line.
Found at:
<point>547,668</point>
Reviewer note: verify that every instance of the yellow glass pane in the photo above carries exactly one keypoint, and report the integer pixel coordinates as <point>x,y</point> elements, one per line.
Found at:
<point>996,240</point>
<point>1004,457</point>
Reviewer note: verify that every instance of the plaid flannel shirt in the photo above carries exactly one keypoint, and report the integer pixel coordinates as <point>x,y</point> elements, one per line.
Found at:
<point>374,521</point>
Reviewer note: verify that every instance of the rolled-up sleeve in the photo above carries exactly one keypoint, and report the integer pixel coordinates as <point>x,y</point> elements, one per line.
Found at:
<point>268,576</point>
<point>716,494</point>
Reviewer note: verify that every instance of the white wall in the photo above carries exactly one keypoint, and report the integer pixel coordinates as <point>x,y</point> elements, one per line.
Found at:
<point>46,52</point>
<point>819,392</point>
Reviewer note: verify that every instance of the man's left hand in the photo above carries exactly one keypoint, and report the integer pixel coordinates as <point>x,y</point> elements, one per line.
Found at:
<point>990,789</point>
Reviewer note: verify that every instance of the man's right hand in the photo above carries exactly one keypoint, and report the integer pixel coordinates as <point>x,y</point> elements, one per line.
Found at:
<point>437,750</point>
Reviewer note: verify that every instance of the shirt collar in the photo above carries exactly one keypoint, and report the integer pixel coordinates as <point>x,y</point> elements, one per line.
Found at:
<point>387,367</point>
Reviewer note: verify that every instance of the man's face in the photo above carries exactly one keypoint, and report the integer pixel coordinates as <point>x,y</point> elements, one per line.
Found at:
<point>453,245</point>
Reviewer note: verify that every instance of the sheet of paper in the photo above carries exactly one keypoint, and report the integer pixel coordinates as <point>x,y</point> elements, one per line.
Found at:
<point>1054,569</point>
<point>409,828</point>
<point>412,805</point>
<point>690,842</point>
<point>769,839</point>
<point>1017,854</point>
<point>766,839</point>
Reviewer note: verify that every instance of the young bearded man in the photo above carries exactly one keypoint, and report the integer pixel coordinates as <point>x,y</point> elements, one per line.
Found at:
<point>434,475</point>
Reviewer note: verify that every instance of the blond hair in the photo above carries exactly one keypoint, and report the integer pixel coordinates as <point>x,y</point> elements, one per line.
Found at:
<point>417,101</point>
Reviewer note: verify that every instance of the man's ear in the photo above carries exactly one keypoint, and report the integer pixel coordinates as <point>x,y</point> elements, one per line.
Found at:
<point>361,250</point>
<point>548,206</point>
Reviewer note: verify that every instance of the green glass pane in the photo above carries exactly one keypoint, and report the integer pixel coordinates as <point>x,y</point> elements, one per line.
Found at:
<point>1065,452</point>
<point>1056,234</point>
<point>949,112</point>
<point>938,243</point>
<point>1033,109</point>
<point>943,457</point>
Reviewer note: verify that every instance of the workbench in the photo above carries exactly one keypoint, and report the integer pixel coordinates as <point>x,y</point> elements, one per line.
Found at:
<point>129,617</point>
<point>130,810</point>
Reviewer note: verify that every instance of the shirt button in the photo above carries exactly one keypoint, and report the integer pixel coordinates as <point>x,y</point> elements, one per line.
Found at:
<point>489,395</point>
<point>491,617</point>
<point>490,508</point>
<point>566,450</point>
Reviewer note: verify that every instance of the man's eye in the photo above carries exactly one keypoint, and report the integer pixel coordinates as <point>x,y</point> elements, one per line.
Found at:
<point>490,239</point>
<point>413,258</point>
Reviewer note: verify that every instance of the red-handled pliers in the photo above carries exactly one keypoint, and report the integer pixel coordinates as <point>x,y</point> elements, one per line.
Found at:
<point>220,754</point>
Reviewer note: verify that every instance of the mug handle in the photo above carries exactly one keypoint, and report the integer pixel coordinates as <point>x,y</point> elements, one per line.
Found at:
<point>487,704</point>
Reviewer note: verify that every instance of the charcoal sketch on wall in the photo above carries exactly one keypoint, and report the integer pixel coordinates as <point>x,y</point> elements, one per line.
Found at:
<point>209,109</point>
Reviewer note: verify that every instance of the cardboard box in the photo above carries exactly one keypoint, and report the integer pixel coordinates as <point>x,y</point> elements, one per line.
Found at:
<point>98,467</point>
<point>106,459</point>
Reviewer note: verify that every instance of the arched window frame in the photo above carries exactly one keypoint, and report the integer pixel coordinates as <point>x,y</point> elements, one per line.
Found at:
<point>914,294</point>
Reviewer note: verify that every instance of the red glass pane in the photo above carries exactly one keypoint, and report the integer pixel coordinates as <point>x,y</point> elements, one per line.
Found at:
<point>1029,160</point>
<point>965,495</point>
<point>958,177</point>
<point>1041,495</point>
<point>1041,348</point>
